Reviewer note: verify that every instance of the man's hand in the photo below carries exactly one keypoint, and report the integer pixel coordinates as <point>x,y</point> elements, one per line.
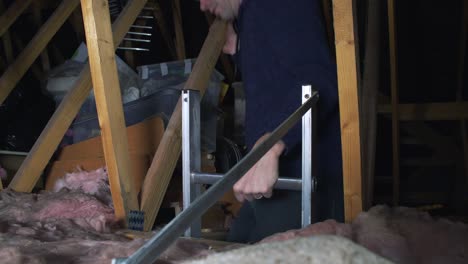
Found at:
<point>259,180</point>
<point>230,47</point>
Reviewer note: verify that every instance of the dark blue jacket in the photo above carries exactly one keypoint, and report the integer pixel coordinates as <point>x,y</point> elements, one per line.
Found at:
<point>283,45</point>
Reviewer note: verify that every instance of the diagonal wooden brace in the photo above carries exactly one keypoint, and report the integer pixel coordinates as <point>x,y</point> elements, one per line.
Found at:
<point>16,71</point>
<point>159,174</point>
<point>48,141</point>
<point>106,88</point>
<point>14,10</point>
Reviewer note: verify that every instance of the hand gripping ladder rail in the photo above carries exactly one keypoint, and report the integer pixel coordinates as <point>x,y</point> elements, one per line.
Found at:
<point>195,204</point>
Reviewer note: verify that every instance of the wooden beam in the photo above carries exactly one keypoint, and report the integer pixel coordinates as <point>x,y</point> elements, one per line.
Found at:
<point>35,69</point>
<point>431,137</point>
<point>347,66</point>
<point>37,16</point>
<point>327,15</point>
<point>368,100</point>
<point>165,159</point>
<point>428,111</point>
<point>7,47</point>
<point>394,96</point>
<point>40,154</point>
<point>12,13</point>
<point>27,57</point>
<point>162,25</point>
<point>460,88</point>
<point>6,39</point>
<point>97,23</point>
<point>227,65</point>
<point>178,29</point>
<point>3,64</point>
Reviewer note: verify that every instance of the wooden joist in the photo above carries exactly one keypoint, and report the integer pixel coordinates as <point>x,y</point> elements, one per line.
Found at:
<point>394,95</point>
<point>6,39</point>
<point>428,111</point>
<point>460,88</point>
<point>37,16</point>
<point>12,13</point>
<point>368,100</point>
<point>97,23</point>
<point>347,65</point>
<point>35,69</point>
<point>48,141</point>
<point>27,57</point>
<point>178,29</point>
<point>160,172</point>
<point>224,58</point>
<point>162,26</point>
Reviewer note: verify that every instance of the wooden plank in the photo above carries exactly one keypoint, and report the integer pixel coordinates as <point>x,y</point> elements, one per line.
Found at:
<point>37,16</point>
<point>7,47</point>
<point>35,69</point>
<point>12,13</point>
<point>225,61</point>
<point>394,96</point>
<point>178,29</point>
<point>460,88</point>
<point>327,15</point>
<point>165,160</point>
<point>6,40</point>
<point>3,64</point>
<point>50,138</point>
<point>97,24</point>
<point>428,111</point>
<point>368,100</point>
<point>347,65</point>
<point>27,57</point>
<point>162,25</point>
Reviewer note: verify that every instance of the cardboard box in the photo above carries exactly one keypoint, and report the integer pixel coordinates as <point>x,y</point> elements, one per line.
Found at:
<point>143,141</point>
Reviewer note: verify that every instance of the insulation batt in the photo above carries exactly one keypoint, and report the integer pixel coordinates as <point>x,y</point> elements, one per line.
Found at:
<point>74,224</point>
<point>315,249</point>
<point>403,235</point>
<point>94,183</point>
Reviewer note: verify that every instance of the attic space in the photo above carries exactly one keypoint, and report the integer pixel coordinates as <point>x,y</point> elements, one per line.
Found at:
<point>125,126</point>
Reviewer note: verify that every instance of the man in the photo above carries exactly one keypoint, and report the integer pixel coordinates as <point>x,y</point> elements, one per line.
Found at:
<point>280,46</point>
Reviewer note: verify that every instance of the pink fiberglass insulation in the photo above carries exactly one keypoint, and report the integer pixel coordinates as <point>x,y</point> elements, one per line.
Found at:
<point>75,224</point>
<point>401,234</point>
<point>94,182</point>
<point>83,209</point>
<point>64,243</point>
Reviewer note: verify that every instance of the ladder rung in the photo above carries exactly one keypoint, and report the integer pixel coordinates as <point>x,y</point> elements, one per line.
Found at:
<point>282,183</point>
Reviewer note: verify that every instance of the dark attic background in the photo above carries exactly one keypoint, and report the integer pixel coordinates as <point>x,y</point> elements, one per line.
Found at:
<point>431,68</point>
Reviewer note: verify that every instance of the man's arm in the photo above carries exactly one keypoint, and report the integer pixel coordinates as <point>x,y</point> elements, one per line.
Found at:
<point>259,180</point>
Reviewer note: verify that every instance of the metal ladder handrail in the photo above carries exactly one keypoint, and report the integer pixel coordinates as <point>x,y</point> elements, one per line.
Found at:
<point>164,238</point>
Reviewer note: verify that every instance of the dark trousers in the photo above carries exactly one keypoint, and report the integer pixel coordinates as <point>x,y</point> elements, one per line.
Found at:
<point>261,218</point>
